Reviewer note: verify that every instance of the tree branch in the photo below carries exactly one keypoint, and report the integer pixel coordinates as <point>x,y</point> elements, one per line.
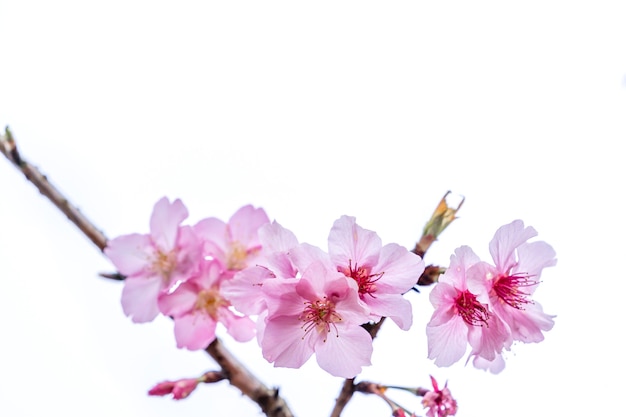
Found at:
<point>238,375</point>
<point>10,151</point>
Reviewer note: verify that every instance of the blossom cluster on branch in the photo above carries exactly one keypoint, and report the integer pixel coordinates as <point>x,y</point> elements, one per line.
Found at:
<point>254,277</point>
<point>305,300</point>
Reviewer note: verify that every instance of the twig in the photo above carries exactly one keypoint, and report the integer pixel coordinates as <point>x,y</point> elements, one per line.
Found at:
<point>239,376</point>
<point>268,399</point>
<point>32,174</point>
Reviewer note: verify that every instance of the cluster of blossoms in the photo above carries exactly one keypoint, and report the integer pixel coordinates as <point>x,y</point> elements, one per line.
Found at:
<point>305,300</point>
<point>489,306</point>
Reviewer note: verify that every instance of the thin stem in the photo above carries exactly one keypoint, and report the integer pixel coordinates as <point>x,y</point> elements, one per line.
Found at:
<point>10,151</point>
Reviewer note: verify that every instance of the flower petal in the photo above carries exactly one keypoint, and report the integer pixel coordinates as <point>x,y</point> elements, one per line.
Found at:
<point>131,254</point>
<point>139,298</point>
<point>348,241</point>
<point>194,331</point>
<point>345,353</point>
<point>164,222</point>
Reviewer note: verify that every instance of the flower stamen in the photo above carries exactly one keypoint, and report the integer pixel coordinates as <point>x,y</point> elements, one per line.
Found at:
<point>320,315</point>
<point>509,289</point>
<point>471,310</point>
<point>363,277</point>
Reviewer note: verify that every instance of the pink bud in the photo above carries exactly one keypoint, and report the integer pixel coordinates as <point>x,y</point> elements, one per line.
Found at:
<point>179,389</point>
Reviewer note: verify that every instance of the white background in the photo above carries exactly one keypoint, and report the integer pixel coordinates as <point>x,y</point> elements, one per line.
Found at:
<point>310,110</point>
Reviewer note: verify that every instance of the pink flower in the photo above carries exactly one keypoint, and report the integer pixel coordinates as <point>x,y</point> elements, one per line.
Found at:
<point>382,273</point>
<point>236,243</point>
<point>514,278</point>
<point>319,313</point>
<point>155,262</point>
<point>179,389</point>
<point>245,289</point>
<point>462,314</point>
<point>197,305</point>
<point>439,402</point>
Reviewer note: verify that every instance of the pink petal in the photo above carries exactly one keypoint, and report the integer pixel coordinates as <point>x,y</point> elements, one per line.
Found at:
<point>479,280</point>
<point>462,259</point>
<point>276,238</point>
<point>348,241</point>
<point>164,222</point>
<point>528,324</point>
<point>401,269</point>
<point>506,239</point>
<point>488,341</point>
<point>305,254</point>
<point>194,331</point>
<point>535,256</point>
<point>281,297</point>
<point>344,354</point>
<point>179,302</point>
<point>315,279</point>
<point>442,298</point>
<point>210,274</point>
<point>131,254</point>
<point>244,290</point>
<point>394,306</point>
<point>242,329</point>
<point>245,223</point>
<point>139,298</point>
<point>285,342</point>
<point>447,343</point>
<point>215,233</point>
<point>495,366</point>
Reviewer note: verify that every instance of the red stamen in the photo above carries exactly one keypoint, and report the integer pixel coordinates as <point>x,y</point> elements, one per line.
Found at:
<point>471,310</point>
<point>320,315</point>
<point>363,277</point>
<point>509,289</point>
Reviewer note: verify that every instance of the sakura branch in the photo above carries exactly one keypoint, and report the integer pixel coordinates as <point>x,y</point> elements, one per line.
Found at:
<point>9,149</point>
<point>254,278</point>
<point>268,399</point>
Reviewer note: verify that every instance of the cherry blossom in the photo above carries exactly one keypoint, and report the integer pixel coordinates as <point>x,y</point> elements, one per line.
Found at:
<point>319,313</point>
<point>382,273</point>
<point>439,402</point>
<point>514,278</point>
<point>155,262</point>
<point>197,305</point>
<point>245,289</point>
<point>236,243</point>
<point>462,314</point>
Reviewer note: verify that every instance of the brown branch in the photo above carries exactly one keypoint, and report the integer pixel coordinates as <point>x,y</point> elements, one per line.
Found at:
<point>268,399</point>
<point>239,376</point>
<point>32,174</point>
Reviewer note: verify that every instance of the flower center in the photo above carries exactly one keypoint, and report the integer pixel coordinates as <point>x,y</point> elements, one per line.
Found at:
<point>236,258</point>
<point>471,310</point>
<point>363,277</point>
<point>510,289</point>
<point>210,301</point>
<point>164,263</point>
<point>320,315</point>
